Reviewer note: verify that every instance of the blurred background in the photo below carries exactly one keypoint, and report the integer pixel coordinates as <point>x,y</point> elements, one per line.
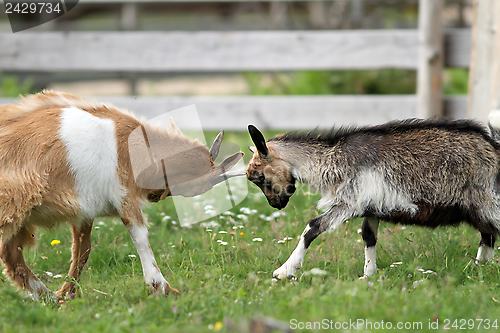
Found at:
<point>92,18</point>
<point>230,16</point>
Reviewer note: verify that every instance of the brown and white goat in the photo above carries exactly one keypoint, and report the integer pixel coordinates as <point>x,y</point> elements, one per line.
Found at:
<point>67,160</point>
<point>427,173</point>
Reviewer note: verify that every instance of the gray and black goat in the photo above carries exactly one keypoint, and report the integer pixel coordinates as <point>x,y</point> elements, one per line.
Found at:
<point>417,172</point>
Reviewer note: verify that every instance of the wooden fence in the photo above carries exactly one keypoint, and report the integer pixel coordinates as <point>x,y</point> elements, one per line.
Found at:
<point>203,51</point>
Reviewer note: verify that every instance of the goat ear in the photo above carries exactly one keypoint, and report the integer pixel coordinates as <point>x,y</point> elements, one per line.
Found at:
<point>221,171</point>
<point>258,139</point>
<point>230,161</point>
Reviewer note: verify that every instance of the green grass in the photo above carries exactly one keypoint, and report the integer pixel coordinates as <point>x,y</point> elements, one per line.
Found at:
<point>224,287</point>
<point>11,86</point>
<point>387,81</point>
<point>370,82</point>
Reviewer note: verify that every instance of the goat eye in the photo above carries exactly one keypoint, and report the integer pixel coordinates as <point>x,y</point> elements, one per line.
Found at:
<point>261,177</point>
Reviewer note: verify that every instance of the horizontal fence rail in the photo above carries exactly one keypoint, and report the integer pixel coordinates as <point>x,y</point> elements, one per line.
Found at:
<point>222,51</point>
<point>284,112</point>
<point>180,1</point>
<point>199,1</point>
<point>236,51</point>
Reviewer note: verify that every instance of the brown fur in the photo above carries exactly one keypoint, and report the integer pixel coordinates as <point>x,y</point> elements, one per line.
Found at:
<point>37,187</point>
<point>80,252</point>
<point>274,170</point>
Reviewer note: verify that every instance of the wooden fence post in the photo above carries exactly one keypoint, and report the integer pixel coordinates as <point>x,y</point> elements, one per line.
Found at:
<point>484,77</point>
<point>430,59</point>
<point>496,67</point>
<point>356,14</point>
<point>278,12</point>
<point>128,19</point>
<point>129,22</point>
<point>317,14</point>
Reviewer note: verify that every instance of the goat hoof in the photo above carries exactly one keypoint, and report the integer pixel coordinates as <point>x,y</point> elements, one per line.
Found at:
<point>175,290</point>
<point>284,273</point>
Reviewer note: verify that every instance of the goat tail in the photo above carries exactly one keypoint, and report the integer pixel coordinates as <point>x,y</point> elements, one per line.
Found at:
<point>494,124</point>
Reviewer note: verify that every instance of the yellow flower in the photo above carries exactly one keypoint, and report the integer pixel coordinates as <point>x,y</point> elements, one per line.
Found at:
<point>217,327</point>
<point>241,234</point>
<point>55,242</point>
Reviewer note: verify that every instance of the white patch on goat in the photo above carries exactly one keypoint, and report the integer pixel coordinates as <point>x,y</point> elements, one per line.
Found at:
<point>152,274</point>
<point>38,290</point>
<point>93,158</point>
<point>484,253</point>
<point>328,199</point>
<point>304,174</point>
<point>294,262</point>
<point>370,260</point>
<point>326,202</point>
<point>373,192</point>
<point>494,118</point>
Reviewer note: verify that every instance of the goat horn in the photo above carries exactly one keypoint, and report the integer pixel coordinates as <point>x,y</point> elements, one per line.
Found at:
<point>214,150</point>
<point>175,129</point>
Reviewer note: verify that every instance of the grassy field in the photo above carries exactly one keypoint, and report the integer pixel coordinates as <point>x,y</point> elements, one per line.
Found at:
<point>426,277</point>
